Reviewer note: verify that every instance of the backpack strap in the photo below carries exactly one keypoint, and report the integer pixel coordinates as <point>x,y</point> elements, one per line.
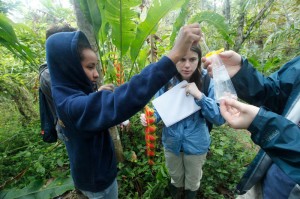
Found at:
<point>42,68</point>
<point>205,84</point>
<point>169,85</point>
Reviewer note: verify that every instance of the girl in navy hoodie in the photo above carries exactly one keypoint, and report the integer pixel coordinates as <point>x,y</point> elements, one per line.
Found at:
<point>85,115</point>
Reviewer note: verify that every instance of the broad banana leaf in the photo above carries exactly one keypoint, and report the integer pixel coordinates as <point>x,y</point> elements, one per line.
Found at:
<point>37,190</point>
<point>215,20</point>
<point>9,40</point>
<point>158,10</point>
<point>180,21</point>
<point>122,18</point>
<point>91,10</point>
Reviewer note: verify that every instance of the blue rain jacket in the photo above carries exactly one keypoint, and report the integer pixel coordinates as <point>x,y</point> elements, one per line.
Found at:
<point>276,135</point>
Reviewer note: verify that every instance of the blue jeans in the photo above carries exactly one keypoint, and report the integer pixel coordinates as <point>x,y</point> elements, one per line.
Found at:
<point>109,193</point>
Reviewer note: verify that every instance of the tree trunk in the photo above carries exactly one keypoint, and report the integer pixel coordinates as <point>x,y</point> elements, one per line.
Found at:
<point>85,26</point>
<point>240,28</point>
<point>227,15</point>
<point>215,6</point>
<point>203,5</point>
<point>114,133</point>
<point>260,16</point>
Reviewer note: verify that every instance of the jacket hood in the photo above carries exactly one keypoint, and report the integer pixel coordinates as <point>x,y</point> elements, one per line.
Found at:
<point>64,62</point>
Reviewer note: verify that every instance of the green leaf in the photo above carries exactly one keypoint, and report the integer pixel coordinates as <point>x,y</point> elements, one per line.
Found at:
<point>37,190</point>
<point>141,59</point>
<point>85,10</point>
<point>9,40</point>
<point>6,30</point>
<point>121,17</point>
<point>60,162</point>
<point>91,10</point>
<point>95,15</point>
<point>158,10</point>
<point>214,19</point>
<point>180,20</point>
<point>219,151</point>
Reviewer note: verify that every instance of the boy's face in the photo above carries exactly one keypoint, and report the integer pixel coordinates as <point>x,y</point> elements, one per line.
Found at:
<point>89,64</point>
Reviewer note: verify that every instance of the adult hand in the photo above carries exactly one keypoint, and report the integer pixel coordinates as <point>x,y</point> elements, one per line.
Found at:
<point>230,59</point>
<point>109,87</point>
<point>192,89</point>
<point>143,119</point>
<point>188,35</point>
<point>237,114</point>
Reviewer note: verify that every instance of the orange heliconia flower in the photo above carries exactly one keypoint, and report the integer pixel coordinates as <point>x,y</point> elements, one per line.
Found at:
<point>150,145</point>
<point>148,111</point>
<point>150,120</point>
<point>150,135</point>
<point>150,138</point>
<point>150,129</point>
<point>151,153</point>
<point>119,73</point>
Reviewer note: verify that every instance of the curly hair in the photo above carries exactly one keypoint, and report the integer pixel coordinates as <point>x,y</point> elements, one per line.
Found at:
<point>59,28</point>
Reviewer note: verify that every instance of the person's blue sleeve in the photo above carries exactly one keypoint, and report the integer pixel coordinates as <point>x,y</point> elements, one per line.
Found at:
<point>271,92</point>
<point>104,109</point>
<point>209,107</point>
<point>279,137</point>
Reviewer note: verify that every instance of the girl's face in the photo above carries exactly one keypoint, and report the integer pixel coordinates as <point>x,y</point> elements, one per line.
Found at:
<point>187,65</point>
<point>89,64</point>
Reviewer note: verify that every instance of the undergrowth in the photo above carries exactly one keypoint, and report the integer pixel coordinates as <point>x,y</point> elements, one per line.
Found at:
<point>25,158</point>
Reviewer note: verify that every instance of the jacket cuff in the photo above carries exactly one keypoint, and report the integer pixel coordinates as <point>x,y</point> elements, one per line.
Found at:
<point>200,101</point>
<point>259,133</point>
<point>244,68</point>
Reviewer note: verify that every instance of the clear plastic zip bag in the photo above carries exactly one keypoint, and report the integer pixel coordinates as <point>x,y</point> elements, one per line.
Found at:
<point>223,86</point>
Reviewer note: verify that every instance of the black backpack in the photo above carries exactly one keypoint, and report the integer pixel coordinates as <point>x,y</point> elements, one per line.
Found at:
<point>47,117</point>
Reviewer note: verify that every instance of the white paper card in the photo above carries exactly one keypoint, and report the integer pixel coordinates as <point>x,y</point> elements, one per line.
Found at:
<point>174,105</point>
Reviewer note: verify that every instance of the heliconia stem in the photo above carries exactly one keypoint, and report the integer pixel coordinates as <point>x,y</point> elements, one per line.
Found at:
<point>150,162</point>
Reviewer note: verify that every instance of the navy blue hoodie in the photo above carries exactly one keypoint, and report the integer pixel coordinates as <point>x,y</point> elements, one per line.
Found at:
<point>87,115</point>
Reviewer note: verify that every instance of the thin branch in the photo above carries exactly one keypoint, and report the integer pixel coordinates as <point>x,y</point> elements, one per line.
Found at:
<point>258,18</point>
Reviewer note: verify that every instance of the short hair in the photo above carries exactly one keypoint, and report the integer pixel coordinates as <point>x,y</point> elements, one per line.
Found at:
<point>59,28</point>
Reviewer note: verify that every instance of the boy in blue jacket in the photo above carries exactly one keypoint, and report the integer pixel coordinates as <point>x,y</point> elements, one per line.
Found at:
<point>276,132</point>
<point>85,115</point>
